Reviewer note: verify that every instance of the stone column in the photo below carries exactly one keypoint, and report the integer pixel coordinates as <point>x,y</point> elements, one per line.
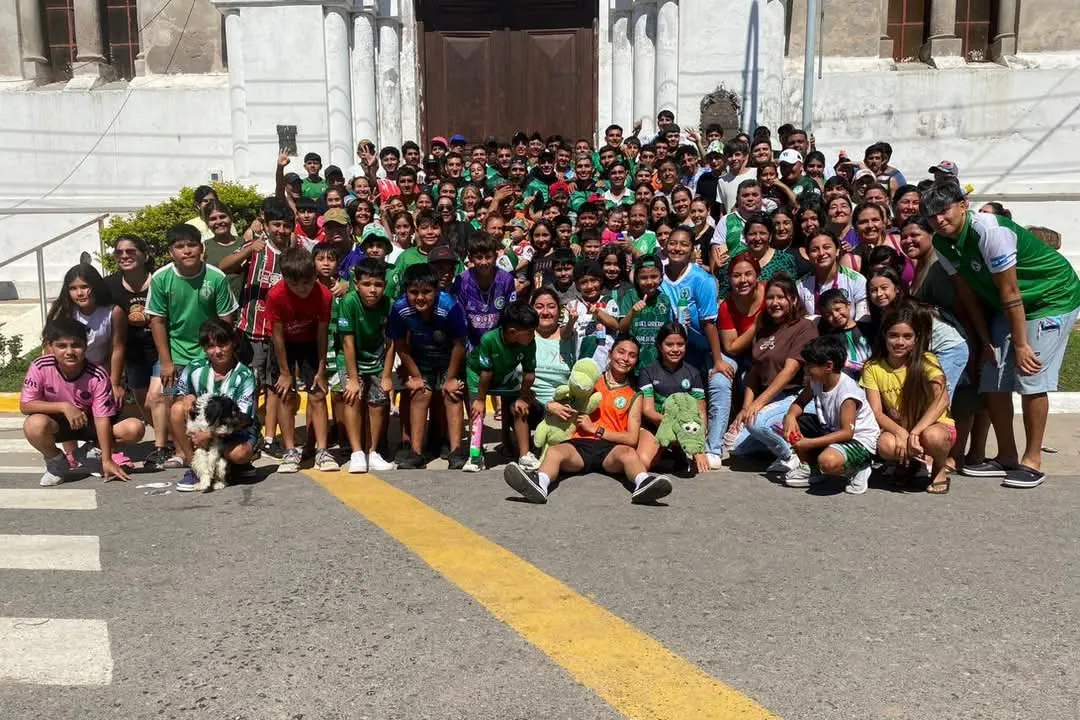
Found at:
<point>35,64</point>
<point>622,71</point>
<point>667,55</point>
<point>1004,42</point>
<point>234,43</point>
<point>89,41</point>
<point>644,24</point>
<point>942,48</point>
<point>389,82</point>
<point>365,107</point>
<point>885,43</point>
<point>338,86</point>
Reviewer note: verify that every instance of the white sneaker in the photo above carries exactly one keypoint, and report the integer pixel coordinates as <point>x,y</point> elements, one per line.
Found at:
<point>716,462</point>
<point>784,466</point>
<point>376,463</point>
<point>529,462</point>
<point>50,480</point>
<point>325,461</point>
<point>358,463</point>
<point>858,482</point>
<point>729,440</point>
<point>798,477</point>
<point>473,464</point>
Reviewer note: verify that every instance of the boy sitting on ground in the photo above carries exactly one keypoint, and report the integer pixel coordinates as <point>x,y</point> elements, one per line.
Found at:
<point>67,398</point>
<point>219,373</point>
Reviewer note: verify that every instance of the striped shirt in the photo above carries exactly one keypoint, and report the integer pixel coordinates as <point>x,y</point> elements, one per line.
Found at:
<point>260,274</point>
<point>239,384</point>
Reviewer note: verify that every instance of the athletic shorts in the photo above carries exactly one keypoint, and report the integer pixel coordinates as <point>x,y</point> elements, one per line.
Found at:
<point>1047,336</point>
<point>137,372</point>
<point>371,388</point>
<point>502,386</point>
<point>593,452</point>
<point>256,355</point>
<point>248,435</point>
<point>856,455</point>
<point>171,390</point>
<point>87,433</point>
<point>303,359</point>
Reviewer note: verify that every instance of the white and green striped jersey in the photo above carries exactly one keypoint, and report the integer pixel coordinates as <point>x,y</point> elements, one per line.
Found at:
<point>239,384</point>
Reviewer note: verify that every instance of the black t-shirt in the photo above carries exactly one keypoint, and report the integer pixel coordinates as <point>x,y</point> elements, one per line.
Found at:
<point>140,344</point>
<point>659,383</point>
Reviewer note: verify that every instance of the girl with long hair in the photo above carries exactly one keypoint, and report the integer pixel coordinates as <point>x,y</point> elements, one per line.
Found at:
<point>827,274</point>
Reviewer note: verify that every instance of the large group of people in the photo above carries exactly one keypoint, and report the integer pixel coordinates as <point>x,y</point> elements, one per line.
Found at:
<point>831,316</point>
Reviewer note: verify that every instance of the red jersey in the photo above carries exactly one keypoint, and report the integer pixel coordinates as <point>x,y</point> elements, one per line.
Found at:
<point>299,316</point>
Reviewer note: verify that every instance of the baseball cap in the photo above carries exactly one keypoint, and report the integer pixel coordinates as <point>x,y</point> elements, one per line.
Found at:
<point>946,166</point>
<point>865,172</point>
<point>790,157</point>
<point>717,147</point>
<point>440,140</point>
<point>374,229</point>
<point>336,215</point>
<point>458,139</point>
<point>441,253</point>
<point>559,187</point>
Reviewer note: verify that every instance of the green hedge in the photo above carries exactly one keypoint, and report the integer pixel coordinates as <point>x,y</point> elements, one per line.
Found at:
<point>153,221</point>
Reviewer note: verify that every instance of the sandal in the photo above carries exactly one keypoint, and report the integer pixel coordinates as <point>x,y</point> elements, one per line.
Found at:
<point>941,487</point>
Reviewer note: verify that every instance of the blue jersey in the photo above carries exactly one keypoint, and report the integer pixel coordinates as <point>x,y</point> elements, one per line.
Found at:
<point>695,303</point>
<point>483,308</point>
<point>430,341</point>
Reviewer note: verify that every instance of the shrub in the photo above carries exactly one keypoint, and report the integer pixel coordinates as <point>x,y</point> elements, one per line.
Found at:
<point>153,221</point>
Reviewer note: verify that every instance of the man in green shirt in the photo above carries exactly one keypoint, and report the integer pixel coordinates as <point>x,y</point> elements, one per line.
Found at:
<point>1035,297</point>
<point>790,164</point>
<point>313,186</point>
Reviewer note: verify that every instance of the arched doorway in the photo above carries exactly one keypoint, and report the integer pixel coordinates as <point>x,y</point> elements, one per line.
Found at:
<point>492,67</point>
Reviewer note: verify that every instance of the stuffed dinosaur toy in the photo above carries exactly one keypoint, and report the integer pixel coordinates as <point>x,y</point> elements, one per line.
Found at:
<point>577,393</point>
<point>682,424</point>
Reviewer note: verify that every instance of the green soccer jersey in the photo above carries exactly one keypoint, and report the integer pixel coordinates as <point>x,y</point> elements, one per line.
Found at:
<point>313,190</point>
<point>239,384</point>
<point>644,243</point>
<point>368,328</point>
<point>501,360</point>
<point>990,244</point>
<point>731,227</point>
<point>186,303</point>
<point>805,187</point>
<point>646,323</point>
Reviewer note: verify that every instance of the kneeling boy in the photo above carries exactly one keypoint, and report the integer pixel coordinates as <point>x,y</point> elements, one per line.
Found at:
<point>67,398</point>
<point>219,373</point>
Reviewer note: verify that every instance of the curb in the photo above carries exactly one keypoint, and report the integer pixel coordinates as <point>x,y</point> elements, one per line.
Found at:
<point>1061,403</point>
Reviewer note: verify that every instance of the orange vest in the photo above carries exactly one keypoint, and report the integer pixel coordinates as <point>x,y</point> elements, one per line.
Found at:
<point>613,414</point>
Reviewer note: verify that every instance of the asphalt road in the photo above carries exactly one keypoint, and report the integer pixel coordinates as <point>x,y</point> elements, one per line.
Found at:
<point>274,600</point>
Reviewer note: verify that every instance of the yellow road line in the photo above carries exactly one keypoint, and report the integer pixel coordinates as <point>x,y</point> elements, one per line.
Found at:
<point>630,670</point>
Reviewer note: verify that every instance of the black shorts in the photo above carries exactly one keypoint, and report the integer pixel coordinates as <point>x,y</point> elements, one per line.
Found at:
<point>303,359</point>
<point>88,433</point>
<point>593,453</point>
<point>137,372</point>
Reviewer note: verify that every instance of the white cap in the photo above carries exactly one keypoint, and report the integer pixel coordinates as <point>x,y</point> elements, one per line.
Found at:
<point>790,156</point>
<point>865,172</point>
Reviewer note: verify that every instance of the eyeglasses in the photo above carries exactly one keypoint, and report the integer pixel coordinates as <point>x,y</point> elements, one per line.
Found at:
<point>121,253</point>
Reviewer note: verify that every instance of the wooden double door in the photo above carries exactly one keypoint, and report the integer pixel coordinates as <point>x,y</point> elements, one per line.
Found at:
<point>493,67</point>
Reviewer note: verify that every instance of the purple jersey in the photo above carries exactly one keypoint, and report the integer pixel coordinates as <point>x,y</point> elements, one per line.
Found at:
<point>483,307</point>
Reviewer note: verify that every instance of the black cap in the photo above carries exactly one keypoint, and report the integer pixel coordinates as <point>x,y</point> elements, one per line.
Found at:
<point>441,253</point>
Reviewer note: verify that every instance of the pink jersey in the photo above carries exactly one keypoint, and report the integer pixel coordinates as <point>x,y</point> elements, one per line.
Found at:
<point>90,390</point>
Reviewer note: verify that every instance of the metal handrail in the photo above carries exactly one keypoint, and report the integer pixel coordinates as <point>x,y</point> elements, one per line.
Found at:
<point>40,257</point>
<point>64,210</point>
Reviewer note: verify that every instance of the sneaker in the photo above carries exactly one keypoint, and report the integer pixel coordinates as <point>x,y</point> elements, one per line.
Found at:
<point>784,466</point>
<point>525,483</point>
<point>987,468</point>
<point>798,477</point>
<point>187,483</point>
<point>274,448</point>
<point>729,440</point>
<point>376,463</point>
<point>476,464</point>
<point>358,463</point>
<point>58,466</point>
<point>92,452</point>
<point>325,461</point>
<point>410,460</point>
<point>50,480</point>
<point>1022,476</point>
<point>651,489</point>
<point>156,459</point>
<point>290,461</point>
<point>457,458</point>
<point>174,463</point>
<point>716,462</point>
<point>529,462</point>
<point>858,482</point>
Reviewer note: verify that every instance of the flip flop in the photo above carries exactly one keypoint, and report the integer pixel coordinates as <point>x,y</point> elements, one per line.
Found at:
<point>1022,476</point>
<point>939,488</point>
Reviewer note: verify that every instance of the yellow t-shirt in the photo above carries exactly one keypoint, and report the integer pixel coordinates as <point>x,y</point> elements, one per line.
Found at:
<point>887,380</point>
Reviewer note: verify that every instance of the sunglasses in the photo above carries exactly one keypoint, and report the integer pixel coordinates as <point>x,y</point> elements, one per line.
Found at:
<point>122,253</point>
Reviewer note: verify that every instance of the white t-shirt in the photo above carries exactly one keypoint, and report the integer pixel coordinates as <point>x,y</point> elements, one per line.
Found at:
<point>98,334</point>
<point>588,326</point>
<point>827,404</point>
<point>727,187</point>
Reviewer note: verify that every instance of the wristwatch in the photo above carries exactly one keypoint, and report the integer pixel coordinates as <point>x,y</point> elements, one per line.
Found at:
<point>600,432</point>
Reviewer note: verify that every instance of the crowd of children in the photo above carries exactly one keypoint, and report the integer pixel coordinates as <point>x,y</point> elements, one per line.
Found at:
<point>835,319</point>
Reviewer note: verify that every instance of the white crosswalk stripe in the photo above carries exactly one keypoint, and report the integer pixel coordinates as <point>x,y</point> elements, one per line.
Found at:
<point>44,650</point>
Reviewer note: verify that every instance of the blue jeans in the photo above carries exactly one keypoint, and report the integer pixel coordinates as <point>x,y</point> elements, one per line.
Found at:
<point>760,435</point>
<point>720,389</point>
<point>953,361</point>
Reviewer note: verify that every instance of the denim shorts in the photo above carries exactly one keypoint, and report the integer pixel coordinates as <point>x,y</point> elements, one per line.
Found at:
<point>170,391</point>
<point>1047,336</point>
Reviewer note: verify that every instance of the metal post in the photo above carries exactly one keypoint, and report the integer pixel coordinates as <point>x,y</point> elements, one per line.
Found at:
<point>101,240</point>
<point>808,65</point>
<point>42,300</point>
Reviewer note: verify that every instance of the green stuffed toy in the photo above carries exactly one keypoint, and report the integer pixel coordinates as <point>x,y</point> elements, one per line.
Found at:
<point>578,393</point>
<point>682,424</point>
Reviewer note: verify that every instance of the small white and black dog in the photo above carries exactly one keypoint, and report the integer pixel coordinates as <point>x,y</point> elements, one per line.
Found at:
<point>221,417</point>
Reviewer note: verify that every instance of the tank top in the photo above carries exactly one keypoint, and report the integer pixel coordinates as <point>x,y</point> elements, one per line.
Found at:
<point>98,333</point>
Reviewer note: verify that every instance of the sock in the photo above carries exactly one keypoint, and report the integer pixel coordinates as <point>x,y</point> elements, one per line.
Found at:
<point>640,478</point>
<point>543,481</point>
